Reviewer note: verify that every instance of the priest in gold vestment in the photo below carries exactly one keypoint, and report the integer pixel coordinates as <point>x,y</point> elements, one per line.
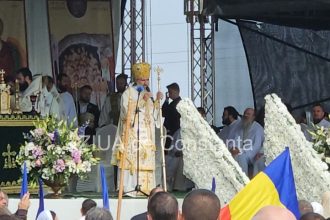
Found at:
<point>141,133</point>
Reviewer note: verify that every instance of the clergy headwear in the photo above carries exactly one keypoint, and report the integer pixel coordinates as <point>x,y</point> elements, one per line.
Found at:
<point>141,70</point>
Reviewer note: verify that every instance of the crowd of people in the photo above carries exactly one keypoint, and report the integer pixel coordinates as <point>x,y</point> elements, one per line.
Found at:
<point>197,204</point>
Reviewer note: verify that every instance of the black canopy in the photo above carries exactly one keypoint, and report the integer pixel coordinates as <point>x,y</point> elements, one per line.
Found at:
<point>313,14</point>
<point>287,44</point>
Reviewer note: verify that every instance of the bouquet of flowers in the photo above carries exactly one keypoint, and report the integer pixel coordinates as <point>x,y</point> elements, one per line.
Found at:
<point>321,141</point>
<point>54,151</point>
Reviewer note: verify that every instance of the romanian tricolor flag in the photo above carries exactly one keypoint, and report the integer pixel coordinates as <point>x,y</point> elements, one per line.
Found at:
<point>274,186</point>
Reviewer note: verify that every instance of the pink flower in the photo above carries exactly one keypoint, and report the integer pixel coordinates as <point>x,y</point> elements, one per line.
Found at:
<point>38,163</point>
<point>59,166</point>
<point>37,152</point>
<point>76,156</point>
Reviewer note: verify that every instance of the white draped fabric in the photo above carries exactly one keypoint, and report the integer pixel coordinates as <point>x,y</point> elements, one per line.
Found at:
<point>69,108</point>
<point>38,37</point>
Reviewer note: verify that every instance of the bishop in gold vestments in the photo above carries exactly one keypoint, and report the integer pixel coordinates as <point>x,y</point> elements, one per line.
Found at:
<point>142,128</point>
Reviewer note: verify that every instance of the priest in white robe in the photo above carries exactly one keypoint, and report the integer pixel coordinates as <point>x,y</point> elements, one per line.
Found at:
<point>141,138</point>
<point>50,101</point>
<point>68,104</point>
<point>34,88</point>
<point>248,142</point>
<point>230,119</point>
<point>24,79</point>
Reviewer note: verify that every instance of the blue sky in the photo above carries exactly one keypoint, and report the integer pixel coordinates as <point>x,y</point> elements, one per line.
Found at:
<point>167,43</point>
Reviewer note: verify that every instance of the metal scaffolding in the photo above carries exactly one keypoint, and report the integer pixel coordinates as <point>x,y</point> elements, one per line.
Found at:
<point>201,57</point>
<point>133,34</point>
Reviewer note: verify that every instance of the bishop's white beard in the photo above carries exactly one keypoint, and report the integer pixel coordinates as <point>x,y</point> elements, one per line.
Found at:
<point>246,128</point>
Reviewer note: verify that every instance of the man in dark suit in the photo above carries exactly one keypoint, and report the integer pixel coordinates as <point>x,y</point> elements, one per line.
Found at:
<point>87,111</point>
<point>84,104</point>
<point>170,113</point>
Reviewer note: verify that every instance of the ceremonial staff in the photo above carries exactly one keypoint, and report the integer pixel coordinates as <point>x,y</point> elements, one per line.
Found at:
<point>124,141</point>
<point>75,87</point>
<point>158,70</point>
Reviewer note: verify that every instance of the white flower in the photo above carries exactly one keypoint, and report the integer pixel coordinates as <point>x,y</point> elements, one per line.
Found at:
<point>58,150</point>
<point>72,146</point>
<point>46,173</point>
<point>327,160</point>
<point>87,166</point>
<point>29,147</point>
<point>328,141</point>
<point>206,156</point>
<point>50,147</point>
<point>72,166</point>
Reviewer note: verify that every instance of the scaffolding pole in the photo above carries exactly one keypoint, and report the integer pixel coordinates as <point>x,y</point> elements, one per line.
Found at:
<point>202,66</point>
<point>133,34</point>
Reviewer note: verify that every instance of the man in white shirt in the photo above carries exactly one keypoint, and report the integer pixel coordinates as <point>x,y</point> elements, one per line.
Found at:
<point>318,120</point>
<point>319,116</point>
<point>63,82</point>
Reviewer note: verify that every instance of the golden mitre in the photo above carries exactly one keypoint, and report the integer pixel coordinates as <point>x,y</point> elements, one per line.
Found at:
<point>141,70</point>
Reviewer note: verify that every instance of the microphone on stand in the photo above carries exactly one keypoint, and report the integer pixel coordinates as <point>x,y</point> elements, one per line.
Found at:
<point>148,90</point>
<point>139,89</point>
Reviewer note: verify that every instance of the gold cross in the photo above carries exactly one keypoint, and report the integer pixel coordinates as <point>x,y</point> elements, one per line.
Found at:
<point>9,161</point>
<point>158,70</point>
<point>2,72</point>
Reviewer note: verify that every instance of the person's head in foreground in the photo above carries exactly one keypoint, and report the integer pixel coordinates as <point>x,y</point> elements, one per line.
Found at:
<point>154,191</point>
<point>312,216</point>
<point>305,206</point>
<point>3,199</point>
<point>98,214</point>
<point>201,204</point>
<point>47,215</point>
<point>86,206</point>
<point>273,213</point>
<point>163,206</point>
